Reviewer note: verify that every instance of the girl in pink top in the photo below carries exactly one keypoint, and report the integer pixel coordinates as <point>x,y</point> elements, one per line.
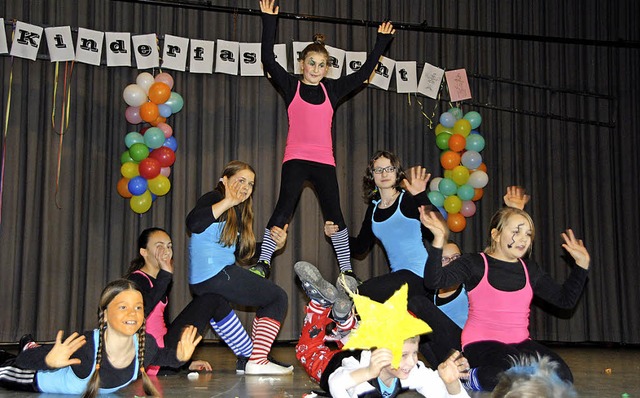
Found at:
<point>308,154</point>
<point>501,283</point>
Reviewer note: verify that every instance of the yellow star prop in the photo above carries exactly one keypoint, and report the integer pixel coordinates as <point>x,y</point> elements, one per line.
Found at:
<point>386,324</point>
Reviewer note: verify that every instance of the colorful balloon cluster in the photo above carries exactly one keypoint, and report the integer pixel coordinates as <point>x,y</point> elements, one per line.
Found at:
<point>465,174</point>
<point>146,164</point>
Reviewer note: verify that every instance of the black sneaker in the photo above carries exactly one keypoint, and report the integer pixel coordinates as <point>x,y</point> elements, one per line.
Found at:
<point>262,268</point>
<point>314,285</point>
<point>241,363</point>
<point>27,341</point>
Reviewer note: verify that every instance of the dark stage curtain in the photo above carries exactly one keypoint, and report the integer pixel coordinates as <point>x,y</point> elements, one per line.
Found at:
<point>559,117</point>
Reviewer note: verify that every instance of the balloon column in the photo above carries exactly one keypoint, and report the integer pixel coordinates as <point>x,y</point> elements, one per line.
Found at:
<point>146,164</point>
<point>465,174</point>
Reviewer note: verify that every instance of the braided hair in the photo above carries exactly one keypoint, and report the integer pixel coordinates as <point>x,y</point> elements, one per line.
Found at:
<point>108,294</point>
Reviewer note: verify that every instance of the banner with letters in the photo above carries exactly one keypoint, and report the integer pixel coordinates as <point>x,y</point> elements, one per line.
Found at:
<point>219,56</point>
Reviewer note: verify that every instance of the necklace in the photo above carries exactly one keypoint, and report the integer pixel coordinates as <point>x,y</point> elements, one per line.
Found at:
<point>386,203</point>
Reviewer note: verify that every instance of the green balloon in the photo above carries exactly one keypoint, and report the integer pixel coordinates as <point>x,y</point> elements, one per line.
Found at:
<point>442,141</point>
<point>126,157</point>
<point>139,152</point>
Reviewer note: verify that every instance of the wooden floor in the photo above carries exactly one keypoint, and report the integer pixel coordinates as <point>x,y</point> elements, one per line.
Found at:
<point>598,371</point>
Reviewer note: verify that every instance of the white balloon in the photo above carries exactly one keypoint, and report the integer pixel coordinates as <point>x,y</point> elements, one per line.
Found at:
<point>478,179</point>
<point>433,185</point>
<point>134,95</point>
<point>145,80</point>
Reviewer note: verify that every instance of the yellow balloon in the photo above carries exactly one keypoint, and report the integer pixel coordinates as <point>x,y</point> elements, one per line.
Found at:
<point>460,175</point>
<point>452,204</point>
<point>159,185</point>
<point>129,170</point>
<point>141,203</point>
<point>448,174</point>
<point>441,129</point>
<point>462,127</point>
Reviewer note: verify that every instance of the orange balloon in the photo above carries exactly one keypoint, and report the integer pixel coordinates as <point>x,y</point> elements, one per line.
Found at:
<point>159,119</point>
<point>457,142</point>
<point>159,92</point>
<point>149,112</point>
<point>123,188</point>
<point>449,160</point>
<point>456,222</point>
<point>482,167</point>
<point>478,194</point>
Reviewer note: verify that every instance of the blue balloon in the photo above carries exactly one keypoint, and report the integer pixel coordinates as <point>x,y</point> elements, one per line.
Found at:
<point>133,138</point>
<point>443,212</point>
<point>447,120</point>
<point>164,110</point>
<point>471,160</point>
<point>137,185</point>
<point>171,143</point>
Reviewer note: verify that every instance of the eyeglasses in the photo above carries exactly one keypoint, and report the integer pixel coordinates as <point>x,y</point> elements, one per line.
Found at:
<point>388,169</point>
<point>446,260</point>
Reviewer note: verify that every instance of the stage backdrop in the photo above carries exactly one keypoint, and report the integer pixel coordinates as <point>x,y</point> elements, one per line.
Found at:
<point>559,118</point>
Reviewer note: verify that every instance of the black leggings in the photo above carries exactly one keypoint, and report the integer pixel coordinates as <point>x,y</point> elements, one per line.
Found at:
<point>492,357</point>
<point>435,346</point>
<point>292,178</point>
<point>197,313</point>
<point>380,288</point>
<point>241,286</point>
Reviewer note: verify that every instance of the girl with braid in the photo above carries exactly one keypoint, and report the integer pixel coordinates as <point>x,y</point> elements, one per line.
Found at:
<point>101,361</point>
<point>221,227</point>
<point>308,155</point>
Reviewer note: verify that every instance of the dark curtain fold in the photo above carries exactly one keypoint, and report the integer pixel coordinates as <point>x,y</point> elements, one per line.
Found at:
<point>58,251</point>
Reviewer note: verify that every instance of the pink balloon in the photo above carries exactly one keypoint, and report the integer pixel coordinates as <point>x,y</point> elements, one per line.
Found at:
<point>468,208</point>
<point>165,78</point>
<point>166,129</point>
<point>165,171</point>
<point>132,114</point>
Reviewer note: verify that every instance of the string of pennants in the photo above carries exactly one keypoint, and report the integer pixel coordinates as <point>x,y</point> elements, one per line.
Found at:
<point>230,57</point>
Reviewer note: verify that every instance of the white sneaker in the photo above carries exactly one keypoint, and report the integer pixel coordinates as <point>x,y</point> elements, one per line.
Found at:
<point>269,368</point>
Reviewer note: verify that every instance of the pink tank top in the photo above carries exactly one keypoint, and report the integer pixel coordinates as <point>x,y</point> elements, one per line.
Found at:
<point>309,135</point>
<point>497,315</point>
<point>155,321</point>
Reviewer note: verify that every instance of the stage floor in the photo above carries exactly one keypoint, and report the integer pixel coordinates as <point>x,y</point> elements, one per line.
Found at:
<point>598,372</point>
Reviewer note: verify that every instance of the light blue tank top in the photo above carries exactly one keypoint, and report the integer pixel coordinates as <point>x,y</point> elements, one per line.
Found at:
<point>64,381</point>
<point>458,309</point>
<point>402,240</point>
<point>207,256</point>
